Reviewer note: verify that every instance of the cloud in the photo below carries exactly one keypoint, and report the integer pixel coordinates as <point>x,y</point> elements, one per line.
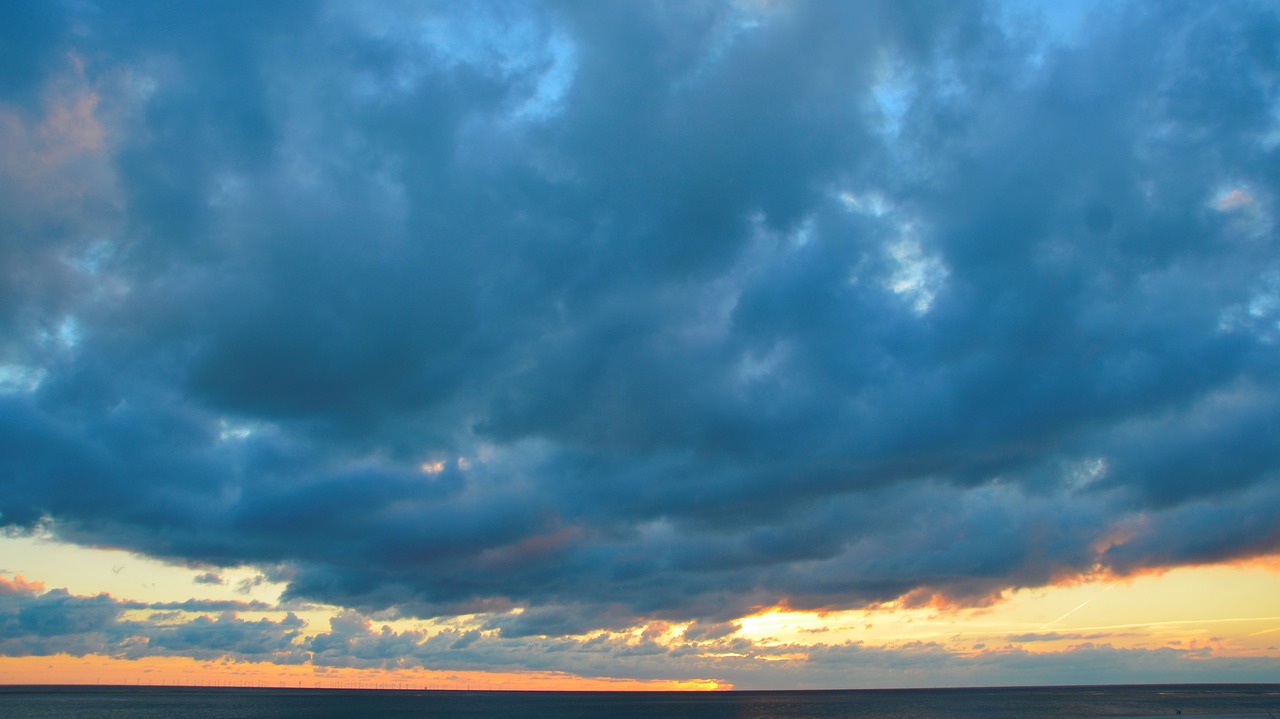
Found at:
<point>1055,637</point>
<point>227,636</point>
<point>34,622</point>
<point>33,32</point>
<point>706,632</point>
<point>42,623</point>
<point>682,318</point>
<point>211,605</point>
<point>19,585</point>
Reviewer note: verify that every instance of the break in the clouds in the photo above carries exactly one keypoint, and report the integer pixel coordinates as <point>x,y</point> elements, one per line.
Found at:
<point>620,312</point>
<point>38,623</point>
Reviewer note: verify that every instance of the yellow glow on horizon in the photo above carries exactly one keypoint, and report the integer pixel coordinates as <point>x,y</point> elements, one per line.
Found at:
<point>1239,616</point>
<point>1228,610</point>
<point>181,671</point>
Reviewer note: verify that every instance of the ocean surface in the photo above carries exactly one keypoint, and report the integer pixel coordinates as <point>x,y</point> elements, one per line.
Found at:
<point>90,702</point>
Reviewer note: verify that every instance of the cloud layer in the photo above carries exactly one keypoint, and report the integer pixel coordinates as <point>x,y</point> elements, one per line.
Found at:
<point>36,623</point>
<point>630,311</point>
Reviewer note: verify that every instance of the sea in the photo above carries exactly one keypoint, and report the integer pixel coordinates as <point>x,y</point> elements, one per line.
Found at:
<point>1250,701</point>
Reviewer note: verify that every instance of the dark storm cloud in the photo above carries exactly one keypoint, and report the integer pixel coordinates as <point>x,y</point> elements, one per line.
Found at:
<point>626,312</point>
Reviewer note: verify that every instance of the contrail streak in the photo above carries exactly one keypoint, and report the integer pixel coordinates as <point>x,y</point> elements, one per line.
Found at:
<point>1078,607</point>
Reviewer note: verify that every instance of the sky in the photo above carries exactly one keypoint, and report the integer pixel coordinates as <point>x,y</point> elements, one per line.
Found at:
<point>639,345</point>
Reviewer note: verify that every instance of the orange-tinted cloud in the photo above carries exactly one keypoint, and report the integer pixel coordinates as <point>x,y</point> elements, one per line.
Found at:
<point>19,585</point>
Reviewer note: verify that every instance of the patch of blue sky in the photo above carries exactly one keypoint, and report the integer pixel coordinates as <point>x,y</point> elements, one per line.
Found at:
<point>1051,24</point>
<point>20,379</point>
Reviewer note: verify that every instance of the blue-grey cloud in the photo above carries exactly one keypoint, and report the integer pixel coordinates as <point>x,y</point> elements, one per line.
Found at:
<point>211,605</point>
<point>39,623</point>
<point>699,631</point>
<point>641,312</point>
<point>30,40</point>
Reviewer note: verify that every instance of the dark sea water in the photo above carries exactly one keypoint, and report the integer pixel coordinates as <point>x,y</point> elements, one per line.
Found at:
<point>30,702</point>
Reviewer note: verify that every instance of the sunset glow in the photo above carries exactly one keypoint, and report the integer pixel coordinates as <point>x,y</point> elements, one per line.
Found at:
<point>177,671</point>
<point>1159,610</point>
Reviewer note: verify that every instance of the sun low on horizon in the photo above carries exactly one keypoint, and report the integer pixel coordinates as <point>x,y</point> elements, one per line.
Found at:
<point>638,345</point>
